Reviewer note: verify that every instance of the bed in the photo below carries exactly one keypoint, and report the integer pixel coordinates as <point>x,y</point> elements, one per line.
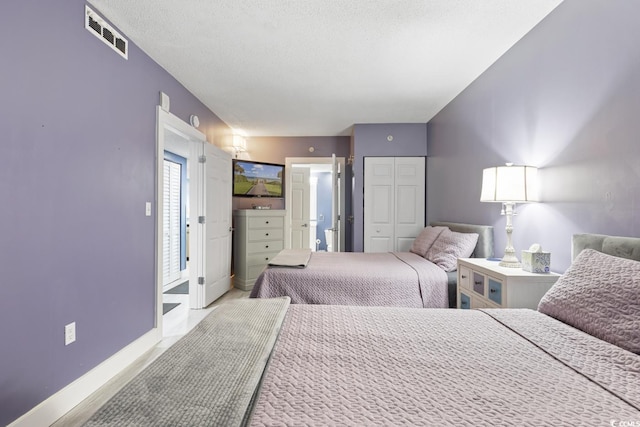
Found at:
<point>401,279</point>
<point>266,362</point>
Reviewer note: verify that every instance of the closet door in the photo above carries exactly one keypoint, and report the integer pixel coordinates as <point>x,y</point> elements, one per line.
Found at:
<point>410,201</point>
<point>379,204</point>
<point>394,202</point>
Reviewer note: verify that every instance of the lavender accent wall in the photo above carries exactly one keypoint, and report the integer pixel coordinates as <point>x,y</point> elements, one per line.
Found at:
<point>566,98</point>
<point>78,147</point>
<point>409,139</point>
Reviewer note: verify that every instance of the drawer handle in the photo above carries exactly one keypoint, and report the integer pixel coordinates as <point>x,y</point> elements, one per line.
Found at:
<point>493,291</point>
<point>266,259</point>
<point>266,234</point>
<point>478,282</point>
<point>266,246</point>
<point>266,222</point>
<point>463,276</point>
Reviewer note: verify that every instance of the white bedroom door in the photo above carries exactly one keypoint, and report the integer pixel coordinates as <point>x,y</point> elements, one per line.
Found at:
<point>298,208</point>
<point>214,225</point>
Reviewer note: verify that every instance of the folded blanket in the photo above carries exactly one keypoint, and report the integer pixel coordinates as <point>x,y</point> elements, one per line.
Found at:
<point>297,258</point>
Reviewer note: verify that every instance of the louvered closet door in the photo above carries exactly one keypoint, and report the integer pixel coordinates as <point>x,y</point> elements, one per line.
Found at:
<point>171,222</point>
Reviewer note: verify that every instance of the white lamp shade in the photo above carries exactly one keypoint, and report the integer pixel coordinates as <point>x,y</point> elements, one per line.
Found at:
<point>518,184</point>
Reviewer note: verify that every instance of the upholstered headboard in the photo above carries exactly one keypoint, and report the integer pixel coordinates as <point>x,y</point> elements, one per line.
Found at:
<point>622,247</point>
<point>484,247</point>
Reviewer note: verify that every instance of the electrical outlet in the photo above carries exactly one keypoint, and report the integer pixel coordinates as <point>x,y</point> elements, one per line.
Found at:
<point>69,333</point>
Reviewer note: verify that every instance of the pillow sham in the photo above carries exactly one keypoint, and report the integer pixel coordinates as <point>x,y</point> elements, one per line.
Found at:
<point>425,239</point>
<point>600,295</point>
<point>449,246</point>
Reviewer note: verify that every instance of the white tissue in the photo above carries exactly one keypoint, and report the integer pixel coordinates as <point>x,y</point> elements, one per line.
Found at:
<point>536,248</point>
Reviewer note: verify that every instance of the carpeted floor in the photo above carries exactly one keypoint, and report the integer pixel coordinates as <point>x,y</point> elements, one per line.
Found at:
<point>182,288</point>
<point>168,306</point>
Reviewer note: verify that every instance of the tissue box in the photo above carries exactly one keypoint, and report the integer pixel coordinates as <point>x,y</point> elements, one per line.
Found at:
<point>536,262</point>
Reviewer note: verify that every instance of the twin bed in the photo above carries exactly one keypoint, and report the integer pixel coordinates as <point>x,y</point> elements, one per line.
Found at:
<point>399,279</point>
<point>266,362</point>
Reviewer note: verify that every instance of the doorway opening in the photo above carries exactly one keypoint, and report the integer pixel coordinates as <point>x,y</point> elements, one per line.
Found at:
<point>315,203</point>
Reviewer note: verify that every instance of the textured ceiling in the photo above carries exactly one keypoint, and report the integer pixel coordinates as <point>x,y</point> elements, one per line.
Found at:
<point>316,67</point>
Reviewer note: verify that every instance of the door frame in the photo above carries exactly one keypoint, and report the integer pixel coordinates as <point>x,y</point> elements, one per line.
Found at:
<point>167,122</point>
<point>290,161</point>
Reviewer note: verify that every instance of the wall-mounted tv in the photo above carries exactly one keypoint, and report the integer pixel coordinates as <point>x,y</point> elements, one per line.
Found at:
<point>257,179</point>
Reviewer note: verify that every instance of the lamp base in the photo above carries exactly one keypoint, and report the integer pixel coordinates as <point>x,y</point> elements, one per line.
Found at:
<point>510,264</point>
<point>510,259</point>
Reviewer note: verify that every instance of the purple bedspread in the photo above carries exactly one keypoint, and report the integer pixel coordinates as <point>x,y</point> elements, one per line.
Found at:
<point>363,366</point>
<point>400,279</point>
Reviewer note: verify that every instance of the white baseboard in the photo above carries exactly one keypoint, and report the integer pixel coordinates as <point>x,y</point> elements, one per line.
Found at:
<point>50,410</point>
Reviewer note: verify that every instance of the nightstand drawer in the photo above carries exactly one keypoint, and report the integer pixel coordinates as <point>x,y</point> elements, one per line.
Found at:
<point>465,301</point>
<point>478,283</point>
<point>465,278</point>
<point>495,290</point>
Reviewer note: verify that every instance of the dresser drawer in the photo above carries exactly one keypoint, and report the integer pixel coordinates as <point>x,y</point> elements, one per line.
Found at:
<point>253,271</point>
<point>267,246</point>
<point>261,259</point>
<point>266,222</point>
<point>265,234</point>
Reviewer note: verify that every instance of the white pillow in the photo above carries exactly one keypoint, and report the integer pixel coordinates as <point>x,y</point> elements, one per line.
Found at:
<point>425,239</point>
<point>449,246</point>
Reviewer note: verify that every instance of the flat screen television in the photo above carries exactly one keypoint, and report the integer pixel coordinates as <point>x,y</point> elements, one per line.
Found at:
<point>257,179</point>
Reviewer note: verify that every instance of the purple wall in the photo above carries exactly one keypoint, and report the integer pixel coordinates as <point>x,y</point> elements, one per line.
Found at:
<point>370,140</point>
<point>78,142</point>
<point>565,98</point>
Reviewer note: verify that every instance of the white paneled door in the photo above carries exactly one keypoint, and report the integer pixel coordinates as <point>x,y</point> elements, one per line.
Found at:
<point>394,202</point>
<point>299,208</point>
<point>214,225</point>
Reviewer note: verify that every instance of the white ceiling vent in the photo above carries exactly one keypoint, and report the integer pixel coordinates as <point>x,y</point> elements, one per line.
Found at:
<point>105,32</point>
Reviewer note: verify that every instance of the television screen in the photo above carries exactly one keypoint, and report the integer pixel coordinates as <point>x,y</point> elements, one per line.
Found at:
<point>257,179</point>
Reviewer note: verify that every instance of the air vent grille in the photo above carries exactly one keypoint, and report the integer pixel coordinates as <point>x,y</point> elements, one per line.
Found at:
<point>99,28</point>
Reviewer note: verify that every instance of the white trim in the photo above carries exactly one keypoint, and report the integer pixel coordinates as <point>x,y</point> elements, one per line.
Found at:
<point>50,410</point>
<point>165,121</point>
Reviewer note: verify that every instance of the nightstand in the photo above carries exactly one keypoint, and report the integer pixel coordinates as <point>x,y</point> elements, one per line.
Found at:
<point>484,284</point>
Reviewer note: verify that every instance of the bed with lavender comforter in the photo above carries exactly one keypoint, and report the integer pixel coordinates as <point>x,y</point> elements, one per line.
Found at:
<point>400,279</point>
<point>338,365</point>
<point>266,362</point>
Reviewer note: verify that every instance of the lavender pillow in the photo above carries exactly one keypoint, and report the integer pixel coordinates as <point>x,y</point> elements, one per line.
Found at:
<point>600,295</point>
<point>449,246</point>
<point>425,239</point>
